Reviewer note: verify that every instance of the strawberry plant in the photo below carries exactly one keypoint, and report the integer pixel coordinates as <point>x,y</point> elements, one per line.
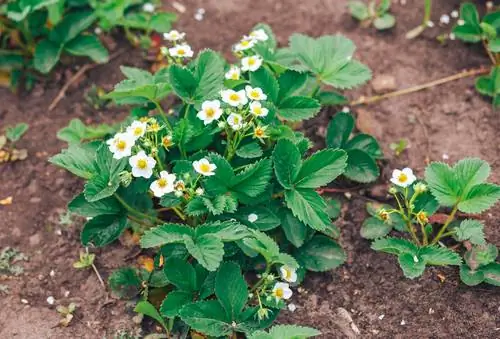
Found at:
<point>471,28</point>
<point>376,13</point>
<point>219,187</point>
<point>462,188</point>
<point>36,34</point>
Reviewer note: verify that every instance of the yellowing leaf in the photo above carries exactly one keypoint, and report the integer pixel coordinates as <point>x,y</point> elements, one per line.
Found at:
<point>6,201</point>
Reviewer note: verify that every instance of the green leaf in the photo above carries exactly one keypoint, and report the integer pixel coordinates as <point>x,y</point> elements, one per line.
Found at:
<point>374,228</point>
<point>467,33</point>
<point>361,167</point>
<point>339,129</point>
<point>309,207</point>
<point>209,75</point>
<point>320,254</point>
<point>286,332</point>
<point>103,229</point>
<point>298,108</point>
<point>208,250</point>
<point>146,308</point>
<point>250,150</point>
<point>15,133</point>
<point>183,82</point>
<point>471,277</point>
<point>77,159</point>
<point>77,131</point>
<point>358,10</point>
<point>287,162</point>
<point>367,144</point>
<point>480,198</point>
<point>47,54</point>
<point>492,274</point>
<point>180,273</point>
<point>439,256</point>
<point>253,180</point>
<point>412,266</point>
<point>208,317</point>
<point>231,290</point>
<point>107,181</point>
<point>265,80</point>
<point>125,282</point>
<point>385,21</point>
<point>165,234</point>
<point>71,26</point>
<point>442,183</point>
<point>290,82</point>
<point>351,75</point>
<point>331,98</point>
<point>173,303</point>
<point>472,230</point>
<point>79,205</point>
<point>88,45</point>
<point>295,230</point>
<point>321,168</point>
<point>266,218</point>
<point>229,230</point>
<point>394,246</point>
<point>469,14</point>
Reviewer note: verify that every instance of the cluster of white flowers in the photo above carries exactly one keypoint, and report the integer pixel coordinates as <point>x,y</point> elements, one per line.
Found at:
<point>281,290</point>
<point>180,49</point>
<point>242,104</point>
<point>249,62</point>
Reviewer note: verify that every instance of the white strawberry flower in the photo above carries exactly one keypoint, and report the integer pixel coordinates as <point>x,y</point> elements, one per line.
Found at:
<point>210,111</point>
<point>251,63</point>
<point>288,274</point>
<point>234,98</point>
<point>235,121</point>
<point>246,43</point>
<point>181,51</point>
<point>259,34</point>
<point>121,145</point>
<point>257,109</point>
<point>199,191</point>
<point>148,7</point>
<point>142,165</point>
<point>174,35</point>
<point>137,129</point>
<point>255,93</point>
<point>281,291</point>
<point>163,185</point>
<point>403,178</point>
<point>204,167</point>
<point>233,73</point>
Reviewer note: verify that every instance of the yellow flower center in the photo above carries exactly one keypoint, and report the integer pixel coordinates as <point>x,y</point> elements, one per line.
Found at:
<point>234,97</point>
<point>236,120</point>
<point>254,94</point>
<point>154,127</point>
<point>251,62</point>
<point>235,76</point>
<point>402,177</point>
<point>288,274</point>
<point>121,145</point>
<point>279,293</point>
<point>162,182</point>
<point>210,112</point>
<point>167,142</point>
<point>259,132</point>
<point>257,110</point>
<point>142,163</point>
<point>245,43</point>
<point>181,51</point>
<point>205,168</point>
<point>137,131</point>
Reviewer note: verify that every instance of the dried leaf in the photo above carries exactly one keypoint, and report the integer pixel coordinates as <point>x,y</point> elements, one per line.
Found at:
<point>6,201</point>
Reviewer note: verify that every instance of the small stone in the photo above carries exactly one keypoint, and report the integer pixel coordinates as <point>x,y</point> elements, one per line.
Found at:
<point>431,310</point>
<point>51,300</point>
<point>52,273</point>
<point>384,83</point>
<point>24,301</point>
<point>367,123</point>
<point>330,287</point>
<point>35,239</point>
<point>380,317</point>
<point>16,232</point>
<point>403,322</point>
<point>138,319</point>
<point>313,300</point>
<point>35,200</point>
<point>66,294</point>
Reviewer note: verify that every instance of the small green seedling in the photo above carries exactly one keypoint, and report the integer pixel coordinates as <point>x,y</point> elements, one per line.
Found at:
<point>399,147</point>
<point>373,13</point>
<point>462,188</point>
<point>66,314</point>
<point>12,135</point>
<point>87,260</point>
<point>9,257</point>
<point>470,28</point>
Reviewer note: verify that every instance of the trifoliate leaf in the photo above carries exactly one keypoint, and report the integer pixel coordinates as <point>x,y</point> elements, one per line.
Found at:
<point>208,250</point>
<point>439,256</point>
<point>442,183</point>
<point>125,282</point>
<point>472,230</point>
<point>348,76</point>
<point>103,229</point>
<point>165,234</point>
<point>78,159</point>
<point>208,317</point>
<point>180,273</point>
<point>320,254</point>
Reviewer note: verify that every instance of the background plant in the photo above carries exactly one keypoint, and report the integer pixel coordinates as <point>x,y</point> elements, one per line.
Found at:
<point>462,188</point>
<point>8,140</point>
<point>376,13</point>
<point>37,34</point>
<point>220,187</point>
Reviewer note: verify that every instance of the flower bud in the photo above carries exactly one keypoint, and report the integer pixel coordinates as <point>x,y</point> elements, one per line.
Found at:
<point>393,190</point>
<point>422,217</point>
<point>420,188</point>
<point>125,178</point>
<point>263,313</point>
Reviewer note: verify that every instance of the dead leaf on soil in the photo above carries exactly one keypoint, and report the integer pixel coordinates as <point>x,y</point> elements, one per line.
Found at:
<point>6,201</point>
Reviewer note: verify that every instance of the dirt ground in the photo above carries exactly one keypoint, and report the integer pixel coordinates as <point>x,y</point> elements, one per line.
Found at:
<point>450,121</point>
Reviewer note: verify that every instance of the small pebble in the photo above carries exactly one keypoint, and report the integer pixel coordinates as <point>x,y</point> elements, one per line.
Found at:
<point>431,310</point>
<point>380,317</point>
<point>403,322</point>
<point>454,14</point>
<point>346,109</point>
<point>445,156</point>
<point>444,19</point>
<point>292,307</point>
<point>198,16</point>
<point>348,195</point>
<point>51,300</point>
<point>66,294</point>
<point>430,24</point>
<point>24,301</point>
<point>52,273</point>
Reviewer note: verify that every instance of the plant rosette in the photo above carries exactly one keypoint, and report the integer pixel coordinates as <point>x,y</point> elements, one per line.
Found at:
<point>432,236</point>
<point>220,187</point>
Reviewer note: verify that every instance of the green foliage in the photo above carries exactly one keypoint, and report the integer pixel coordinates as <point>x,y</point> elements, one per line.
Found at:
<point>460,187</point>
<point>286,332</point>
<point>376,13</point>
<point>39,33</point>
<point>362,150</point>
<point>220,182</point>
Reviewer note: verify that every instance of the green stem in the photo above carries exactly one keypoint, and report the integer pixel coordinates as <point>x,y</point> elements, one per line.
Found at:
<point>427,12</point>
<point>445,225</point>
<point>135,212</point>
<point>158,161</point>
<point>424,234</point>
<point>263,277</point>
<point>163,114</point>
<point>316,88</point>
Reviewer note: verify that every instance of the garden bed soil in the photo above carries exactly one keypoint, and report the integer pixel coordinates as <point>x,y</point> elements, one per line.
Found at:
<point>368,297</point>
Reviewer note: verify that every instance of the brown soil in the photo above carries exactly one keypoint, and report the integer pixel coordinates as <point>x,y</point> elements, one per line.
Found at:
<point>448,120</point>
